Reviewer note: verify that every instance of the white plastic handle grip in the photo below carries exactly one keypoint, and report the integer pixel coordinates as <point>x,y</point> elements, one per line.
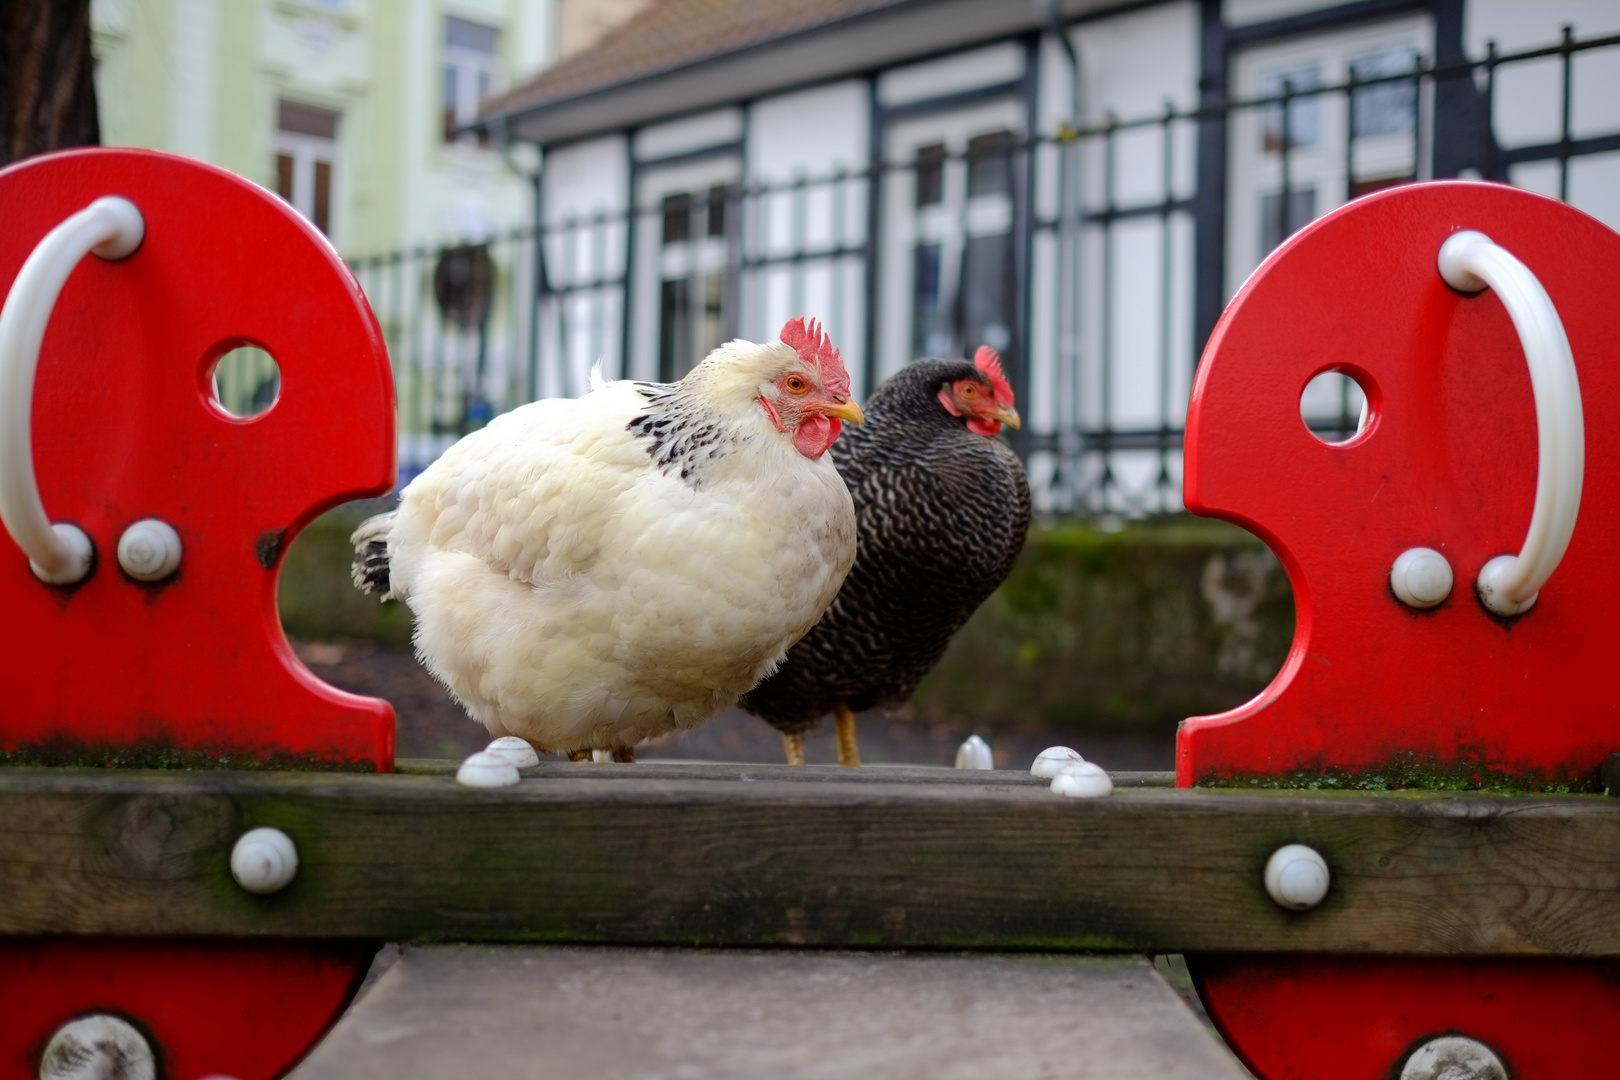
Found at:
<point>111,228</point>
<point>1470,261</point>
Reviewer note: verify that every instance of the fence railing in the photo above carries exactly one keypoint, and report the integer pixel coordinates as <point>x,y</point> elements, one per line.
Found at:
<point>1088,256</point>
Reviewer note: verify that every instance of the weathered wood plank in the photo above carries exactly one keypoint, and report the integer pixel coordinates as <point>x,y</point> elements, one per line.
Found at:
<point>803,774</point>
<point>598,1014</point>
<point>649,855</point>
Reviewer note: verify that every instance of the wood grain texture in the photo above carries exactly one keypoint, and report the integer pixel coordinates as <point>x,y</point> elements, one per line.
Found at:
<point>690,855</point>
<point>511,1012</point>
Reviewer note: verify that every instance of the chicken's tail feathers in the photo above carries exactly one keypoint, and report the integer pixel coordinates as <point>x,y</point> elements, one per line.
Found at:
<point>597,380</point>
<point>370,570</point>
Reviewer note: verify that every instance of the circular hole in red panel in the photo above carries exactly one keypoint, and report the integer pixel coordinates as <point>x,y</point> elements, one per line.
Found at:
<point>245,382</point>
<point>1335,407</point>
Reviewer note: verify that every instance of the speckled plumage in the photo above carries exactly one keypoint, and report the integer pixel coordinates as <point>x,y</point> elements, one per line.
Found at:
<point>941,514</point>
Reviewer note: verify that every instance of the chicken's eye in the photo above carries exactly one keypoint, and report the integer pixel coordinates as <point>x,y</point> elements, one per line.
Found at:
<point>968,389</point>
<point>796,385</point>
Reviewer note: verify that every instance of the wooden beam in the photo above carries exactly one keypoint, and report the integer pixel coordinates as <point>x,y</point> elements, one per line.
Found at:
<point>767,855</point>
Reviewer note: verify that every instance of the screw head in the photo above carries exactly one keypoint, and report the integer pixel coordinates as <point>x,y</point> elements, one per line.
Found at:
<point>513,749</point>
<point>487,770</point>
<point>149,550</point>
<point>1453,1057</point>
<point>974,753</point>
<point>1053,760</point>
<point>1296,877</point>
<point>97,1046</point>
<point>264,861</point>
<point>1083,780</point>
<point>1421,577</point>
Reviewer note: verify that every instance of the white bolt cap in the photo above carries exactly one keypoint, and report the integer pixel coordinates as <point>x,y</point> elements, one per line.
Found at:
<point>1083,780</point>
<point>1453,1057</point>
<point>1053,760</point>
<point>131,228</point>
<point>513,749</point>
<point>81,552</point>
<point>264,861</point>
<point>485,769</point>
<point>149,550</point>
<point>974,753</point>
<point>94,1047</point>
<point>1421,577</point>
<point>1296,877</point>
<point>1491,592</point>
<point>1452,266</point>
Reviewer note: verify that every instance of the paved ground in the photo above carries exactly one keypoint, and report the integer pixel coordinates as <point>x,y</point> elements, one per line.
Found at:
<point>433,725</point>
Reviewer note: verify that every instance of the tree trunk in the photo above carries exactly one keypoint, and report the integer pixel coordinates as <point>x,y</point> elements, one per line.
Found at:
<point>47,84</point>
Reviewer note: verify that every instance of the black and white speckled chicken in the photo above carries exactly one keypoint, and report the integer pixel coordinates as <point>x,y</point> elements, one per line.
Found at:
<point>942,509</point>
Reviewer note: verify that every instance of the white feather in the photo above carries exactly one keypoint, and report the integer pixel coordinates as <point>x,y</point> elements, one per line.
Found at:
<point>568,591</point>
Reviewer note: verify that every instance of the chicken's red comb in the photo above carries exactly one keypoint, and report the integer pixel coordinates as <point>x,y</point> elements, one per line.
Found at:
<point>988,361</point>
<point>816,348</point>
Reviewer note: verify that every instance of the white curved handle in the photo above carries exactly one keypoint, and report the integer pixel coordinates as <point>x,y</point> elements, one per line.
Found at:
<point>1469,261</point>
<point>111,228</point>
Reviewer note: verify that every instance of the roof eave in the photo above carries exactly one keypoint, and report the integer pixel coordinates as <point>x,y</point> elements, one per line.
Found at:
<point>852,46</point>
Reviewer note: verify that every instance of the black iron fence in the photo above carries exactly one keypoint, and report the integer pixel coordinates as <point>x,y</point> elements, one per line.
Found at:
<point>1094,258</point>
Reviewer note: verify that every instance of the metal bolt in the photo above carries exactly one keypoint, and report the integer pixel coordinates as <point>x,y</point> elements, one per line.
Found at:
<point>264,861</point>
<point>1453,1057</point>
<point>485,769</point>
<point>974,753</point>
<point>1296,877</point>
<point>97,1047</point>
<point>149,550</point>
<point>1421,577</point>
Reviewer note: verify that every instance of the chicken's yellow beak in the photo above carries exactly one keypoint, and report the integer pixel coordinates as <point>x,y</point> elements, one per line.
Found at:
<point>1008,416</point>
<point>847,410</point>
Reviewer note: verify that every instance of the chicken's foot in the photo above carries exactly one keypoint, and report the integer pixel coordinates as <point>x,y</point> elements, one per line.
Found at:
<point>794,746</point>
<point>848,752</point>
<point>627,755</point>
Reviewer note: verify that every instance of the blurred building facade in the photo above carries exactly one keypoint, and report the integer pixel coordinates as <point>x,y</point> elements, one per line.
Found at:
<point>1081,184</point>
<point>347,108</point>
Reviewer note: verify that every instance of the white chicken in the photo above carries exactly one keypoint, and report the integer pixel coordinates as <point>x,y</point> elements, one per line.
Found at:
<point>588,573</point>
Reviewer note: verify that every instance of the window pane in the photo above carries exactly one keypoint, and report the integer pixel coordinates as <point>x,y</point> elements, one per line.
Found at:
<point>987,293</point>
<point>1304,114</point>
<point>452,103</point>
<point>713,328</point>
<point>1388,108</point>
<point>677,218</point>
<point>323,196</point>
<point>930,333</point>
<point>284,176</point>
<point>461,34</point>
<point>717,210</point>
<point>990,164</point>
<point>930,174</point>
<point>306,120</point>
<point>1301,212</point>
<point>674,331</point>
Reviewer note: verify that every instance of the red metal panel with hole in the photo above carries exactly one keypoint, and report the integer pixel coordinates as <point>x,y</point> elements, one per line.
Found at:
<point>245,1010</point>
<point>1372,689</point>
<point>126,427</point>
<point>1374,692</point>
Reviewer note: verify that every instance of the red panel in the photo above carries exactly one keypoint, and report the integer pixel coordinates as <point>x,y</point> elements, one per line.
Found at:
<point>125,428</point>
<point>1357,1018</point>
<point>1372,688</point>
<point>243,1010</point>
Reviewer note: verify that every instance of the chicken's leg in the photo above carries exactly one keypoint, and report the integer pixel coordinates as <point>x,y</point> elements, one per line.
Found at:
<point>628,754</point>
<point>848,752</point>
<point>794,745</point>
